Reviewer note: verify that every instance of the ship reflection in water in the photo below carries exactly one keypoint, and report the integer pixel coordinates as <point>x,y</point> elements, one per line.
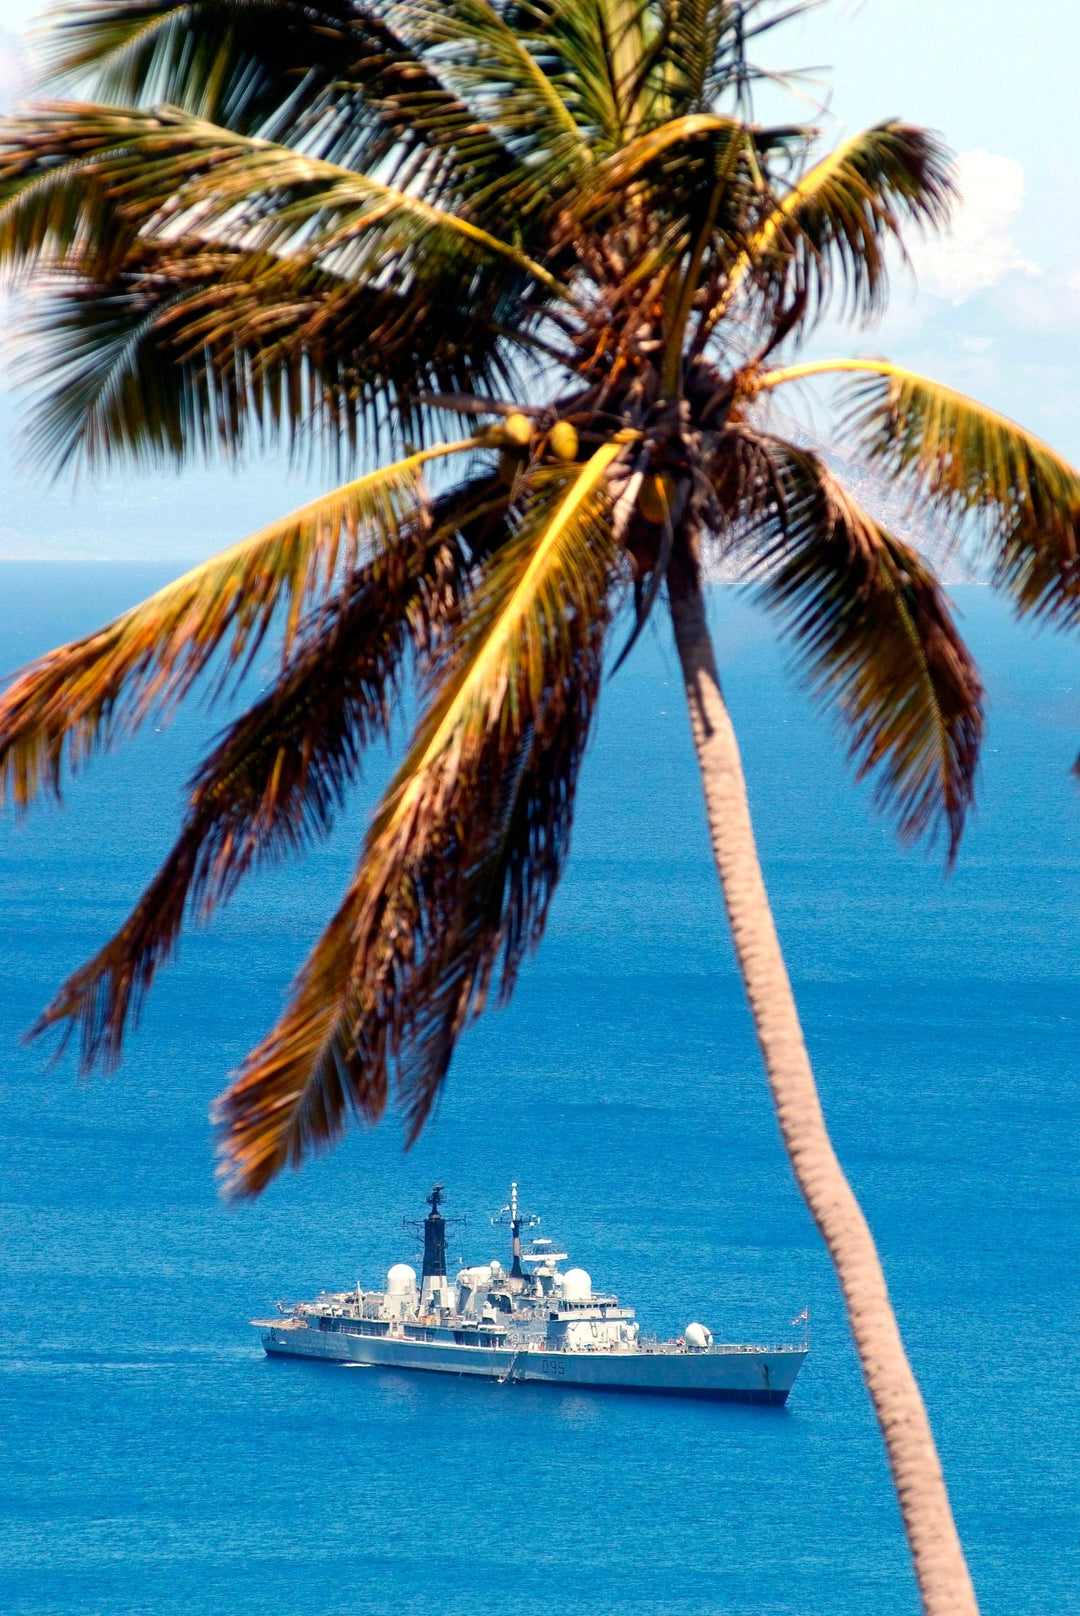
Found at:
<point>533,1322</point>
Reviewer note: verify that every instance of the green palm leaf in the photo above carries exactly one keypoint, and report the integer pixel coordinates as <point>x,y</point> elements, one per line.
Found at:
<point>212,57</point>
<point>68,171</point>
<point>686,54</point>
<point>493,65</point>
<point>607,47</point>
<point>330,73</point>
<point>652,166</point>
<point>832,229</point>
<point>189,350</point>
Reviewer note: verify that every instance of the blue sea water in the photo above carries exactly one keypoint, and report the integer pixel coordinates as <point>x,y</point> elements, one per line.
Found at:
<point>154,1461</point>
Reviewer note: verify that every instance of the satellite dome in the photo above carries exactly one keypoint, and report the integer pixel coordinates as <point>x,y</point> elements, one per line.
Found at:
<point>496,1267</point>
<point>577,1286</point>
<point>474,1278</point>
<point>400,1280</point>
<point>698,1338</point>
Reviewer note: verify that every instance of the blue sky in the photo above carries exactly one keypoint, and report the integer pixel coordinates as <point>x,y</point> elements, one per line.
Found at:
<point>996,310</point>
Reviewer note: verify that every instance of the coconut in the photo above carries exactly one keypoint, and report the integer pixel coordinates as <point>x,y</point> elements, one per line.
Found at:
<point>563,441</point>
<point>517,431</point>
<point>654,500</point>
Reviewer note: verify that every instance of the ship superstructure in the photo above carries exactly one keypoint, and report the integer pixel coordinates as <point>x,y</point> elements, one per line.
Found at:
<point>534,1322</point>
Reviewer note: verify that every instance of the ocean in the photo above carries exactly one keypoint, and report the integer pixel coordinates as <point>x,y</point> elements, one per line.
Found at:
<point>153,1460</point>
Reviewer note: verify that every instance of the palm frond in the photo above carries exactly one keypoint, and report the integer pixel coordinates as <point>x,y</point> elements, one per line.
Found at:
<point>103,686</point>
<point>68,170</point>
<point>562,37</point>
<point>1019,499</point>
<point>831,231</point>
<point>875,639</point>
<point>655,161</point>
<point>614,38</point>
<point>686,49</point>
<point>460,859</point>
<point>327,72</point>
<point>276,778</point>
<point>188,350</point>
<point>221,58</point>
<point>495,65</point>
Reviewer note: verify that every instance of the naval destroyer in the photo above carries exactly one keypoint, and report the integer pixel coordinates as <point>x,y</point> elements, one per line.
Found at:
<point>534,1322</point>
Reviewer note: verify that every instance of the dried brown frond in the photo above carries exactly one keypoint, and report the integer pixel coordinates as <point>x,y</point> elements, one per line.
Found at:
<point>103,686</point>
<point>1014,496</point>
<point>276,778</point>
<point>875,638</point>
<point>462,856</point>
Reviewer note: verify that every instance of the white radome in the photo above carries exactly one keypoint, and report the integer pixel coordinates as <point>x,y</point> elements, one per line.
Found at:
<point>697,1337</point>
<point>400,1280</point>
<point>577,1286</point>
<point>474,1278</point>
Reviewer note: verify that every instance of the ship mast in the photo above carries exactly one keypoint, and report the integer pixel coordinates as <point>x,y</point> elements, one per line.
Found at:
<point>515,1235</point>
<point>436,1291</point>
<point>435,1237</point>
<point>513,1215</point>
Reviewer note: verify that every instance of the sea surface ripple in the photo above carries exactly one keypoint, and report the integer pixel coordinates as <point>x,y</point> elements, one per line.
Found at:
<point>154,1461</point>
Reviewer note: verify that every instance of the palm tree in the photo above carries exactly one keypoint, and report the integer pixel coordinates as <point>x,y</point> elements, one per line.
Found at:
<point>541,247</point>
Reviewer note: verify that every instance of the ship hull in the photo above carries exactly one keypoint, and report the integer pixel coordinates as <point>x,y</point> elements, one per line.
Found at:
<point>723,1374</point>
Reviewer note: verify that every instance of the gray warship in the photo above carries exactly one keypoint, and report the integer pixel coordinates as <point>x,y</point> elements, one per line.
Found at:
<point>533,1323</point>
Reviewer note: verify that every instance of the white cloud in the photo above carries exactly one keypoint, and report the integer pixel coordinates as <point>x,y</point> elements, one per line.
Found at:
<point>979,250</point>
<point>14,68</point>
<point>1046,305</point>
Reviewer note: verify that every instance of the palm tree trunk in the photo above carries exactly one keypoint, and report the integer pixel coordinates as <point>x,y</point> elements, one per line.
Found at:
<point>943,1578</point>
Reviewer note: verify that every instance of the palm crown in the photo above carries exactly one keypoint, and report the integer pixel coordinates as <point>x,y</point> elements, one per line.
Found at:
<point>381,229</point>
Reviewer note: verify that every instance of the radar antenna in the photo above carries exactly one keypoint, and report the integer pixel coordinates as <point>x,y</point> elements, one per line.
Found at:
<point>516,1219</point>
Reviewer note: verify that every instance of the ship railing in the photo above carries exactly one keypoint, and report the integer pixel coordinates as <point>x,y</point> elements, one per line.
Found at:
<point>653,1344</point>
<point>758,1346</point>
